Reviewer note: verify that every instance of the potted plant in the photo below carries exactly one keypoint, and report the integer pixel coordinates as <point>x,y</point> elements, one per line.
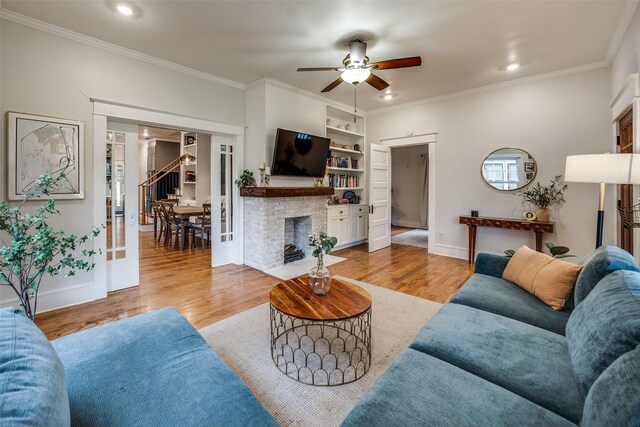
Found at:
<point>246,179</point>
<point>319,276</point>
<point>35,249</point>
<point>544,196</point>
<point>556,251</point>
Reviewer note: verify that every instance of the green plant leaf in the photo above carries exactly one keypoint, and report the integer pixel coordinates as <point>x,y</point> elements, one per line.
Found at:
<point>549,245</point>
<point>559,250</point>
<point>509,252</point>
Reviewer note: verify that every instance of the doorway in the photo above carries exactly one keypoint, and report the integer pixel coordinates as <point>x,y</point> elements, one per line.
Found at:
<point>410,195</point>
<point>625,191</point>
<point>226,147</point>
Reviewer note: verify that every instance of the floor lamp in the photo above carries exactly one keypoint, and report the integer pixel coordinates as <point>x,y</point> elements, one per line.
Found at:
<point>603,169</point>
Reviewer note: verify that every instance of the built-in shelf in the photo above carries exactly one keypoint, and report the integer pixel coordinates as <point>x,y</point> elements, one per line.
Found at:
<point>345,150</point>
<point>332,168</point>
<point>347,188</point>
<point>344,131</point>
<point>189,182</point>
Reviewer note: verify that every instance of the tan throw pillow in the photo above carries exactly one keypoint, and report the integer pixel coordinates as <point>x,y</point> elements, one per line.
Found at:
<point>550,279</point>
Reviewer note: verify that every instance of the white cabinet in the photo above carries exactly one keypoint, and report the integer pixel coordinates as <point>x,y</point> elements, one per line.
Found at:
<point>347,223</point>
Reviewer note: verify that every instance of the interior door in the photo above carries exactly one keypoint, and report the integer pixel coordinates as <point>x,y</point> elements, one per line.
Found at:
<point>380,197</point>
<point>625,191</point>
<point>122,205</point>
<point>223,245</point>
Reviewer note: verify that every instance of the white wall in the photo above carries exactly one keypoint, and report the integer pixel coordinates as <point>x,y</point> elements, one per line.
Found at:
<point>271,106</point>
<point>407,172</point>
<point>51,75</point>
<point>550,119</point>
<point>627,59</point>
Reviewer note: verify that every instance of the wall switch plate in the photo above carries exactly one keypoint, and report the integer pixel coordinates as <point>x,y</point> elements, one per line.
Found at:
<point>440,235</point>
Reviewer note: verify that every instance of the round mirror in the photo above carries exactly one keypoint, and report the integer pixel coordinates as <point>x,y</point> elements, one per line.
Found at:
<point>509,169</point>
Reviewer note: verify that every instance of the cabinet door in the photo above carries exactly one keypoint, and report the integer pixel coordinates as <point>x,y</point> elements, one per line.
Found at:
<point>343,232</point>
<point>353,228</point>
<point>333,227</point>
<point>362,226</point>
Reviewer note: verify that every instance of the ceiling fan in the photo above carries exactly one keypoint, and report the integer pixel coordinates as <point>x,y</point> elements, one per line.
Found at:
<point>357,69</point>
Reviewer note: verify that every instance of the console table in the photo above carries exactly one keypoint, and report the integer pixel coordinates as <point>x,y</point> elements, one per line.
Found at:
<point>473,222</point>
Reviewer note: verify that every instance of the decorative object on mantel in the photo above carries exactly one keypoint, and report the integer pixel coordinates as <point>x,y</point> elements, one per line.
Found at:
<point>556,251</point>
<point>538,227</point>
<point>34,248</point>
<point>475,214</point>
<point>246,179</point>
<point>544,197</point>
<point>265,175</point>
<point>318,181</point>
<point>319,276</point>
<point>603,169</point>
<point>529,216</point>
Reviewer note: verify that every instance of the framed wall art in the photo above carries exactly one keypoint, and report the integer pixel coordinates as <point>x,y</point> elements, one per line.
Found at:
<point>39,144</point>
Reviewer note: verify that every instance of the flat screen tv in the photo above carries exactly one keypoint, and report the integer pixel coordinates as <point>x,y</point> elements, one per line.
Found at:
<point>299,154</point>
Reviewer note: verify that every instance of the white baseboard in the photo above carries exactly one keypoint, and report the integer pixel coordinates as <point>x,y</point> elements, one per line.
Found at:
<point>59,298</point>
<point>450,251</point>
<point>410,224</point>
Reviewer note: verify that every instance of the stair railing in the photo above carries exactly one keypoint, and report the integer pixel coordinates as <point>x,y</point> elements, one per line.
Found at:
<point>184,159</point>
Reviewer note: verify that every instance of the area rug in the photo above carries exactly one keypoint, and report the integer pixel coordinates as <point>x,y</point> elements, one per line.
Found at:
<point>242,341</point>
<point>298,268</point>
<point>416,237</point>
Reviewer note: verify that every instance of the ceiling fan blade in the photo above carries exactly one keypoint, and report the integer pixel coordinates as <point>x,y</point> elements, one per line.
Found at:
<point>333,85</point>
<point>413,61</point>
<point>377,82</point>
<point>319,69</point>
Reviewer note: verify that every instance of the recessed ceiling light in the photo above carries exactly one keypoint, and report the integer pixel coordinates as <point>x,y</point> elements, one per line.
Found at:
<point>513,66</point>
<point>388,97</point>
<point>125,10</point>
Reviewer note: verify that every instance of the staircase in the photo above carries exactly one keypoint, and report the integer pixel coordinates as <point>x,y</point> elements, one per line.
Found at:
<point>161,184</point>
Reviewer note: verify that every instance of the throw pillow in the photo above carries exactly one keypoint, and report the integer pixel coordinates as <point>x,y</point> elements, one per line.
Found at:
<point>550,279</point>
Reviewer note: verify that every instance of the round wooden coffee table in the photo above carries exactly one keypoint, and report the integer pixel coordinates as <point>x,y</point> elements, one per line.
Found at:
<point>321,340</point>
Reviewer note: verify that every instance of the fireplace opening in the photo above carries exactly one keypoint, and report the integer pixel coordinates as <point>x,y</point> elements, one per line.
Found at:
<point>296,237</point>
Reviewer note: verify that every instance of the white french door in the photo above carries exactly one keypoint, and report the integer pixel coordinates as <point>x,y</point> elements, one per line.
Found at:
<point>224,244</point>
<point>380,196</point>
<point>122,205</point>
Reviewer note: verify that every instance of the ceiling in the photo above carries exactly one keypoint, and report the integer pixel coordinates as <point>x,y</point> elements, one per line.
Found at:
<point>463,44</point>
<point>158,133</point>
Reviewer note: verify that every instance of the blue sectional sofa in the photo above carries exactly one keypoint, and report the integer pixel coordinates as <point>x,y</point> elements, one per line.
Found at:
<point>498,356</point>
<point>149,370</point>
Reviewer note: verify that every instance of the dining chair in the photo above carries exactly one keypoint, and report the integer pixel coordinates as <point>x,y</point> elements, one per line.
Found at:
<point>202,226</point>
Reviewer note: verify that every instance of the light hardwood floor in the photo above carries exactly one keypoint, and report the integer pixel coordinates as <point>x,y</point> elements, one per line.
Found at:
<point>185,280</point>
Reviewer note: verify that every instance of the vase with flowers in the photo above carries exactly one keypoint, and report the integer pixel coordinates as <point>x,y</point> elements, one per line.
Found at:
<point>319,276</point>
<point>544,196</point>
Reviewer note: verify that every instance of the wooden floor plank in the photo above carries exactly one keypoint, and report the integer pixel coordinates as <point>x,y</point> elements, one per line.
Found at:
<point>204,295</point>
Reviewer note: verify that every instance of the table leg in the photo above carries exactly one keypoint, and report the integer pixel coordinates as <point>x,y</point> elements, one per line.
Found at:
<point>539,241</point>
<point>472,243</point>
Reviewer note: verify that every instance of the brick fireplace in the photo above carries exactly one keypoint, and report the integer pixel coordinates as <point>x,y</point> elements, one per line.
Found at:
<point>270,222</point>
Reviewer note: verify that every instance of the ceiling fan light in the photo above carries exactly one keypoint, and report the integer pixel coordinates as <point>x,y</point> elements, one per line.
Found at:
<point>355,75</point>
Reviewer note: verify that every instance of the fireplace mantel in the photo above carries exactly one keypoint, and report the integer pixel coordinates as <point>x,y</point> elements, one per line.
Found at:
<point>285,191</point>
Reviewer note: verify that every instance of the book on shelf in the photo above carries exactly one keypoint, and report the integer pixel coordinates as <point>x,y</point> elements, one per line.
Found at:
<point>345,162</point>
<point>343,181</point>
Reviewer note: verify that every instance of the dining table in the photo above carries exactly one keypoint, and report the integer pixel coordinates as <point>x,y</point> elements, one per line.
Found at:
<point>184,213</point>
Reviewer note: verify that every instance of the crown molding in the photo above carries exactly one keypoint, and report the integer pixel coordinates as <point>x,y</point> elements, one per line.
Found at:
<point>511,83</point>
<point>110,47</point>
<point>286,86</point>
<point>621,30</point>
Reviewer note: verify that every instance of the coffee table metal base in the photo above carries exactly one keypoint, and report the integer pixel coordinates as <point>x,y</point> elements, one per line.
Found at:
<point>321,352</point>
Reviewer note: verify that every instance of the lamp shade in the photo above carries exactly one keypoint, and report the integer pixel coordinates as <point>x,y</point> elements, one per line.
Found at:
<point>355,75</point>
<point>603,168</point>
